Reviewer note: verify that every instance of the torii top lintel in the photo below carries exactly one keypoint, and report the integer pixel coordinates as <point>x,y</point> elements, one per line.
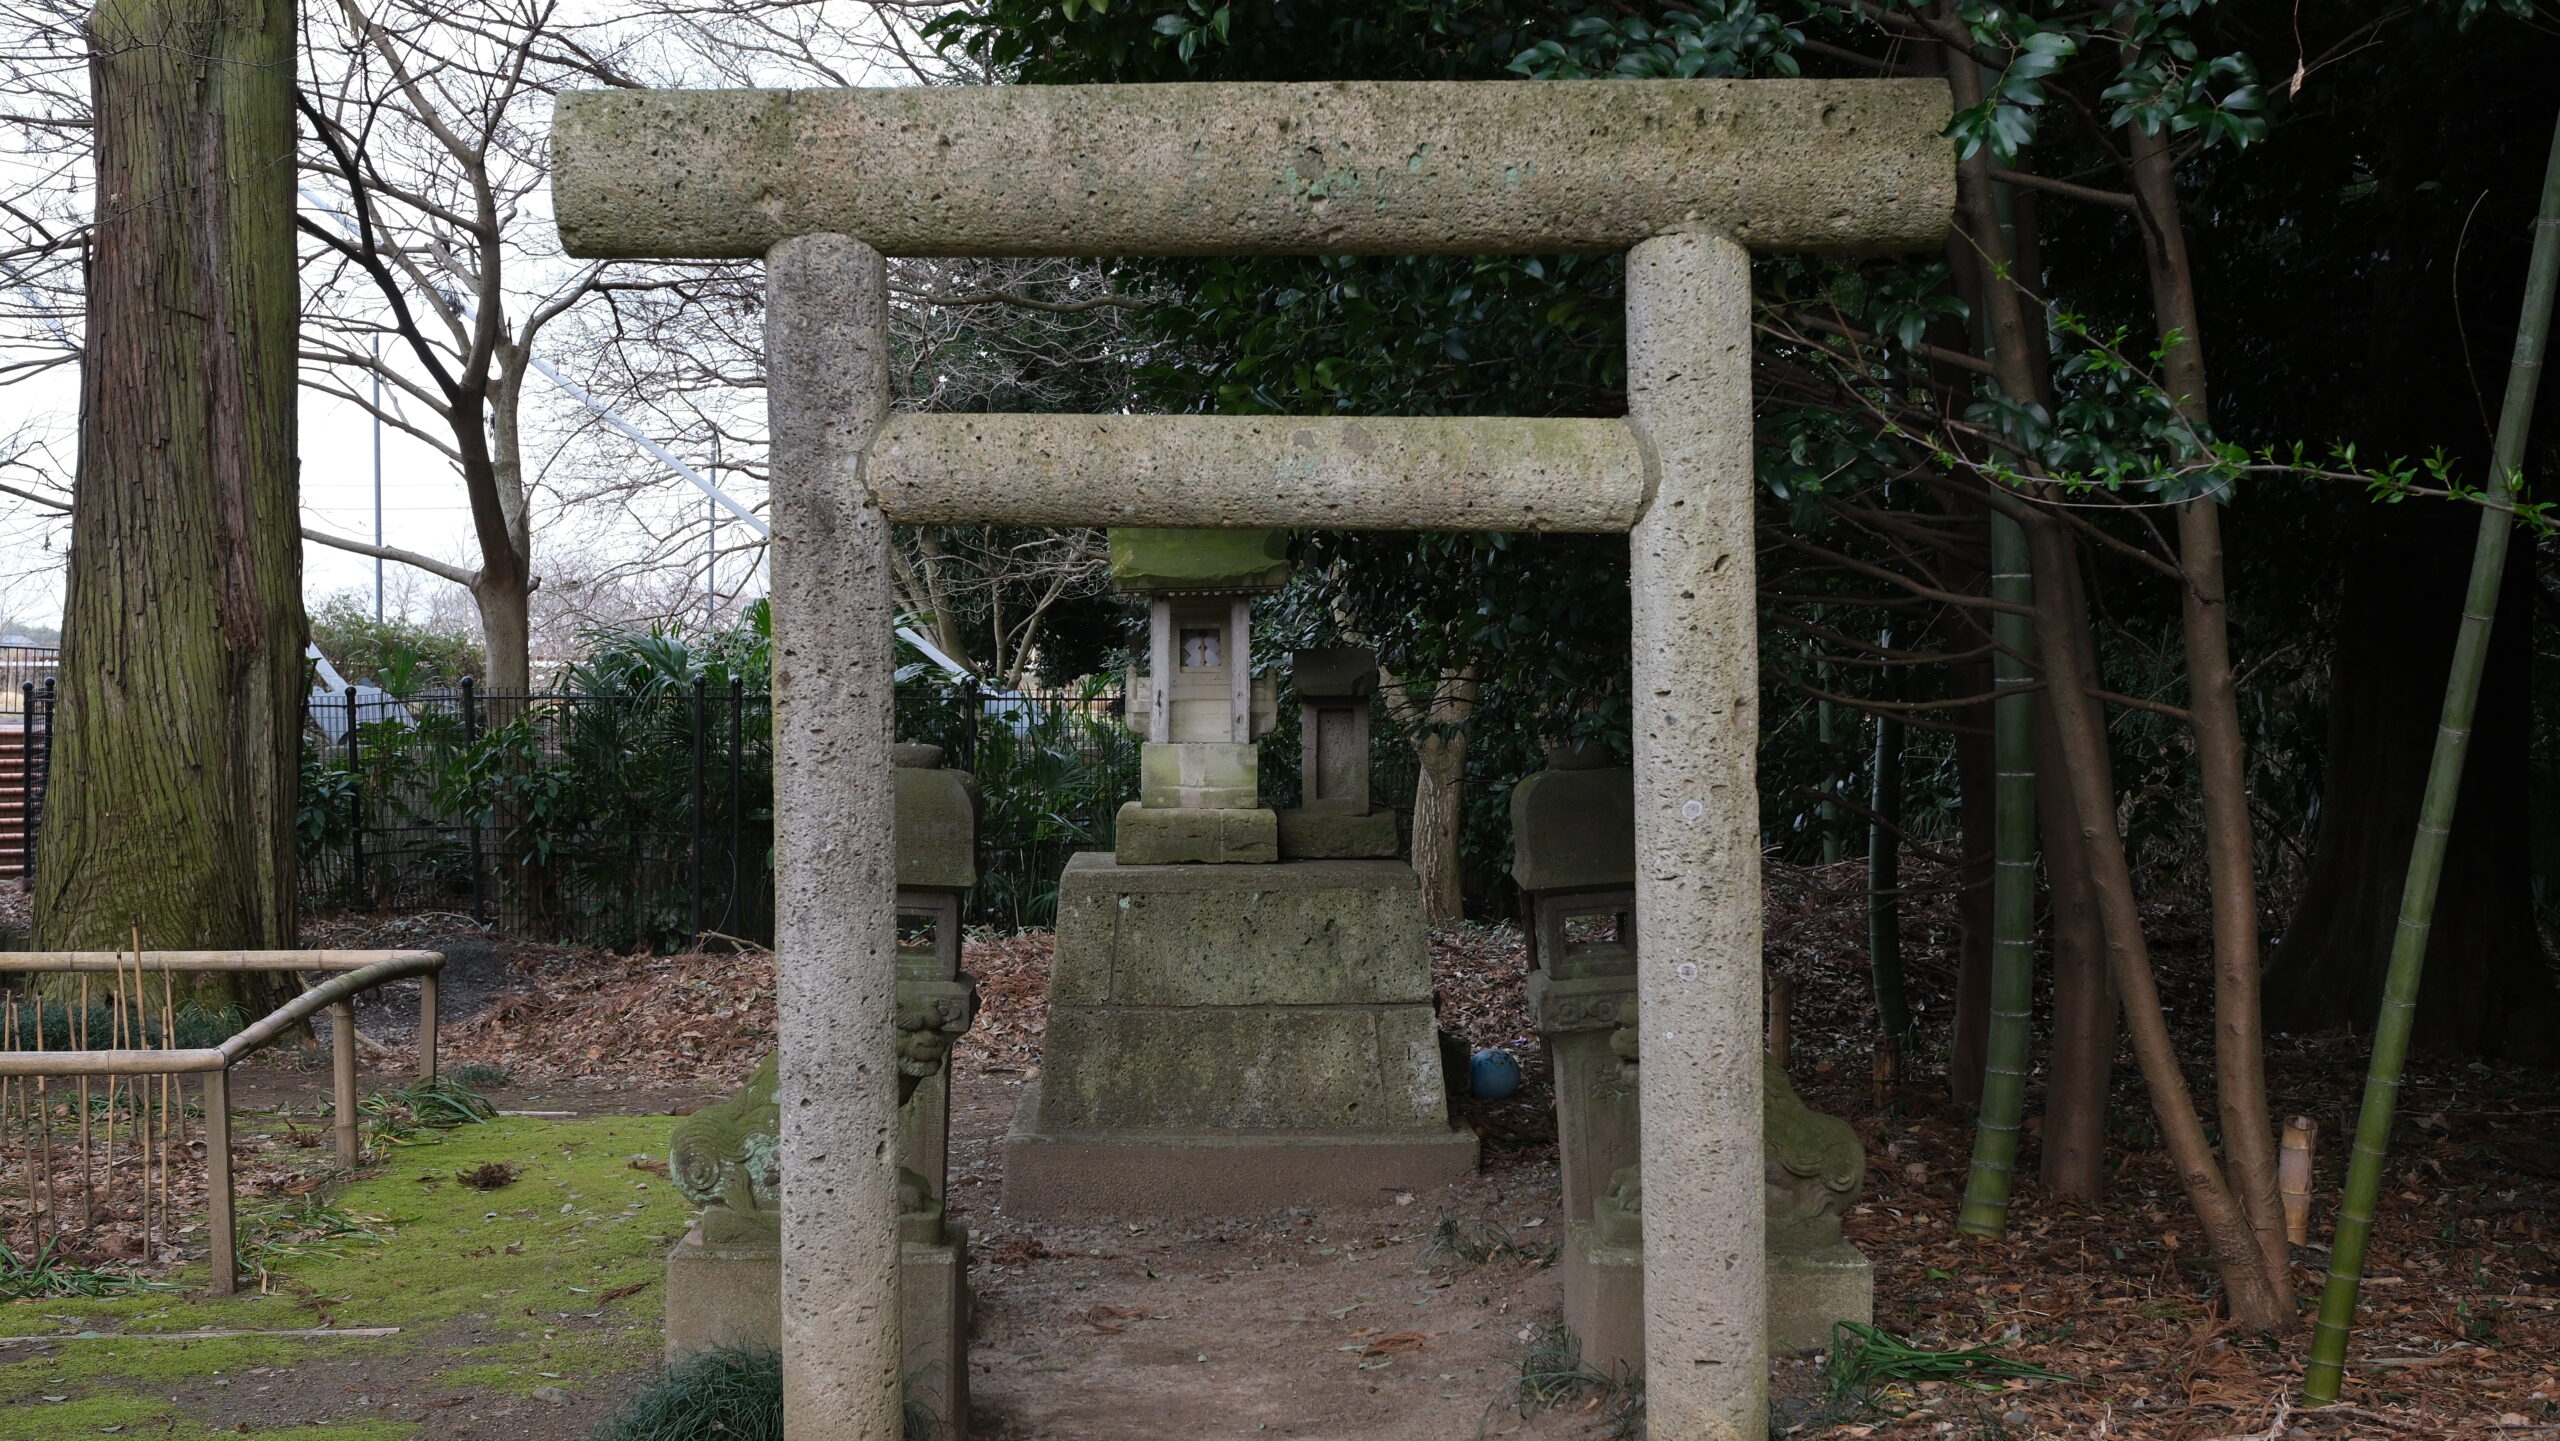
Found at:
<point>1342,168</point>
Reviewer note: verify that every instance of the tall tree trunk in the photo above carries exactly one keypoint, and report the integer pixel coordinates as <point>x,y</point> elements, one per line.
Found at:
<point>1439,792</point>
<point>2256,1302</point>
<point>177,756</point>
<point>2071,679</point>
<point>2082,1072</point>
<point>2013,896</point>
<point>2213,707</point>
<point>1439,820</point>
<point>1884,877</point>
<point>2487,989</point>
<point>503,590</point>
<point>506,633</point>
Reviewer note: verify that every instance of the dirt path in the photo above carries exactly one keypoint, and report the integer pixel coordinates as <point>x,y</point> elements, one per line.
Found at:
<point>1338,1324</point>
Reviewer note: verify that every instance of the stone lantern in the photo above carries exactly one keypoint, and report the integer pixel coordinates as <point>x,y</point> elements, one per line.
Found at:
<point>724,1277</point>
<point>1199,774</point>
<point>1573,852</point>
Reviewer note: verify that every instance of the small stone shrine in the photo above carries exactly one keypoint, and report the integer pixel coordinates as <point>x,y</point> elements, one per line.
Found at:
<point>1333,819</point>
<point>1231,1028</point>
<point>724,1278</point>
<point>1573,852</point>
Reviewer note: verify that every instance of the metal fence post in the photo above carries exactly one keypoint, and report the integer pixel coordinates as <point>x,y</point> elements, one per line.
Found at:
<point>27,785</point>
<point>471,737</point>
<point>355,799</point>
<point>698,690</point>
<point>969,724</point>
<point>732,920</point>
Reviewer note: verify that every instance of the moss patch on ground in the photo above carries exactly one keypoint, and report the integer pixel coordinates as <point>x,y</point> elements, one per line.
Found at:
<point>553,1280</point>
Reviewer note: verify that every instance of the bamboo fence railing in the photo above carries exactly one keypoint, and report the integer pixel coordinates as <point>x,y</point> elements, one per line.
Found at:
<point>127,1065</point>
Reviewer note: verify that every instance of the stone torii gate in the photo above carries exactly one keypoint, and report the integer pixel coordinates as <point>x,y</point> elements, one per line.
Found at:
<point>1685,176</point>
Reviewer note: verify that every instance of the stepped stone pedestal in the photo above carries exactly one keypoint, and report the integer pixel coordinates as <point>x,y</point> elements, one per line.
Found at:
<point>1226,1041</point>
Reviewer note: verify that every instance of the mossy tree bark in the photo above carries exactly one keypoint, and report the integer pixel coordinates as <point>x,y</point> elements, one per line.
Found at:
<point>1439,793</point>
<point>177,750</point>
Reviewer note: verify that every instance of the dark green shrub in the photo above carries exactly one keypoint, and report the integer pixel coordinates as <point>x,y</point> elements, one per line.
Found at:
<point>735,1395</point>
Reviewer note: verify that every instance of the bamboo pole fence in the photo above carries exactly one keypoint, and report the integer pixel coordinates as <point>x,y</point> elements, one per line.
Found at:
<point>143,1123</point>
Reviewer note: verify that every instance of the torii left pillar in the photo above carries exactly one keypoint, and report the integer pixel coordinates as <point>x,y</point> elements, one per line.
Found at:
<point>826,342</point>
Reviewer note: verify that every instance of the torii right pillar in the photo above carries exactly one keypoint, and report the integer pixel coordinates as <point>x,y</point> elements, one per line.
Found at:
<point>1696,644</point>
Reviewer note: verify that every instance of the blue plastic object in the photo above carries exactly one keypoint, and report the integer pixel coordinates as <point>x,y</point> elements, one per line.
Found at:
<point>1493,1075</point>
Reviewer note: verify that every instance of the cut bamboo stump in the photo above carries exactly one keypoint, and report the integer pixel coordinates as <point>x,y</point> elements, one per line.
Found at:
<point>2293,1177</point>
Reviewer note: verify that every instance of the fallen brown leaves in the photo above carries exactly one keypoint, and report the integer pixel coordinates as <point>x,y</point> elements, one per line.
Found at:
<point>697,1016</point>
<point>93,1214</point>
<point>2457,1337</point>
<point>1107,1319</point>
<point>489,1176</point>
<point>1012,973</point>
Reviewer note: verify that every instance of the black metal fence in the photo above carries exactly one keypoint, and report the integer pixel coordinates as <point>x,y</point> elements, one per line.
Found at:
<point>637,819</point>
<point>1053,768</point>
<point>22,792</point>
<point>646,818</point>
<point>24,671</point>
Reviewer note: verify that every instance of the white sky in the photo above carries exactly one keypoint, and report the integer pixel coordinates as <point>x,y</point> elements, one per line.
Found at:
<point>423,506</point>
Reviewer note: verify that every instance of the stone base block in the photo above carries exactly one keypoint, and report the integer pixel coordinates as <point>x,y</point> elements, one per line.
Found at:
<point>722,1295</point>
<point>1604,1301</point>
<point>1313,835</point>
<point>1199,775</point>
<point>933,1319</point>
<point>1309,933</point>
<point>1096,1176</point>
<point>1268,1070</point>
<point>731,1295</point>
<point>1812,1288</point>
<point>1148,836</point>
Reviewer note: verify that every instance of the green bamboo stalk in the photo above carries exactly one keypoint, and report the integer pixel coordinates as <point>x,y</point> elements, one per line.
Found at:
<point>2013,892</point>
<point>1884,871</point>
<point>2326,1369</point>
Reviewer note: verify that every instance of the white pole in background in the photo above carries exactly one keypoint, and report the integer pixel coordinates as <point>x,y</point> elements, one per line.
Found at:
<point>711,562</point>
<point>377,477</point>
